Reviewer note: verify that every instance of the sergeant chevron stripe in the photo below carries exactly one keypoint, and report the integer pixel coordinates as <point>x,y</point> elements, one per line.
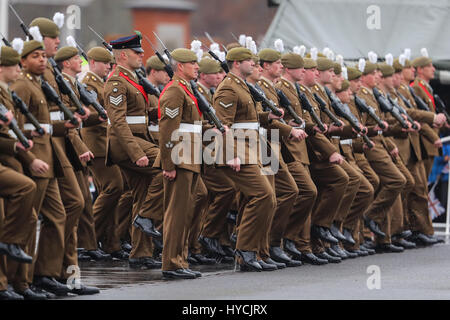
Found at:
<point>225,105</point>
<point>115,100</point>
<point>172,113</point>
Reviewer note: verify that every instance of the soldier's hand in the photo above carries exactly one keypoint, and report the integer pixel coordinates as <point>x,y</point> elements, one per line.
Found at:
<point>87,113</point>
<point>298,134</point>
<point>22,147</point>
<point>366,147</point>
<point>386,125</point>
<point>336,158</point>
<point>292,123</point>
<point>235,164</point>
<point>334,128</point>
<point>9,116</point>
<point>87,156</point>
<point>394,152</point>
<point>104,120</point>
<point>409,127</point>
<point>142,162</point>
<point>272,116</point>
<point>418,126</point>
<point>170,175</point>
<point>38,166</point>
<point>439,120</point>
<point>317,129</point>
<point>438,143</point>
<point>70,125</point>
<point>447,125</point>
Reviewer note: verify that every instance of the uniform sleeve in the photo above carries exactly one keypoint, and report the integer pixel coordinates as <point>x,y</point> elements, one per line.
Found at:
<point>116,106</point>
<point>429,133</point>
<point>171,104</point>
<point>20,88</point>
<point>93,118</point>
<point>422,116</point>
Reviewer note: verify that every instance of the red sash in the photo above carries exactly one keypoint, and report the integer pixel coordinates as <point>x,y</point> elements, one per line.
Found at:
<point>426,92</point>
<point>134,84</point>
<point>186,90</point>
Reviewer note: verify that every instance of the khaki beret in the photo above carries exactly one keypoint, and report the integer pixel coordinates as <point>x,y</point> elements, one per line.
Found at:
<point>233,45</point>
<point>421,62</point>
<point>183,55</point>
<point>30,46</point>
<point>100,54</point>
<point>337,68</point>
<point>345,85</point>
<point>154,63</point>
<point>8,56</point>
<point>46,26</point>
<point>398,67</point>
<point>209,66</point>
<point>319,54</point>
<point>292,61</point>
<point>239,54</point>
<point>370,67</point>
<point>324,64</point>
<point>65,53</point>
<point>353,73</point>
<point>269,55</point>
<point>309,63</point>
<point>386,70</point>
<point>255,58</point>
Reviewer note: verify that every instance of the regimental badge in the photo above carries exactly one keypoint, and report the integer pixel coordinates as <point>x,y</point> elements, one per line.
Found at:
<point>226,106</point>
<point>115,90</point>
<point>169,145</point>
<point>317,88</point>
<point>116,100</point>
<point>364,91</point>
<point>172,113</point>
<point>115,83</point>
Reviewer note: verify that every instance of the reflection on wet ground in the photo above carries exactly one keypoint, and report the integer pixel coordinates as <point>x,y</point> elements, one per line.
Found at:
<point>113,274</point>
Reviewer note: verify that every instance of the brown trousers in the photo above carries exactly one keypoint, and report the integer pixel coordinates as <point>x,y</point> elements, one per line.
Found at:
<point>354,181</point>
<point>286,192</point>
<point>257,205</point>
<point>298,228</point>
<point>359,207</point>
<point>86,235</point>
<point>392,183</point>
<point>109,184</point>
<point>428,165</point>
<point>179,203</point>
<point>200,208</point>
<point>147,189</point>
<point>417,203</point>
<point>221,194</point>
<point>125,209</point>
<point>3,273</point>
<point>74,202</point>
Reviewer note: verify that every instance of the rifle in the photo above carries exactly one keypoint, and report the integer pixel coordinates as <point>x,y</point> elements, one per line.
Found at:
<point>14,127</point>
<point>167,67</point>
<point>342,110</point>
<point>166,51</point>
<point>323,108</point>
<point>206,108</point>
<point>440,107</point>
<point>308,107</point>
<point>105,44</point>
<point>89,98</point>
<point>52,96</point>
<point>419,102</point>
<point>223,64</point>
<point>363,107</point>
<point>402,111</point>
<point>19,104</point>
<point>22,24</point>
<point>386,106</point>
<point>5,41</point>
<point>149,88</point>
<point>284,101</point>
<point>405,101</point>
<point>259,96</point>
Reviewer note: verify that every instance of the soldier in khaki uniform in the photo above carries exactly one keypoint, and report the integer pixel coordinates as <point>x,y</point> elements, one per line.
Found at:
<point>69,62</point>
<point>365,194</point>
<point>47,202</point>
<point>299,222</point>
<point>108,180</point>
<point>392,181</point>
<point>17,216</point>
<point>179,114</point>
<point>421,85</point>
<point>129,145</point>
<point>326,76</point>
<point>330,179</point>
<point>283,183</point>
<point>235,108</point>
<point>418,216</point>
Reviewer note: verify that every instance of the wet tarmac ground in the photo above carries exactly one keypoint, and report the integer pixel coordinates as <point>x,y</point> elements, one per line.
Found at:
<point>420,273</point>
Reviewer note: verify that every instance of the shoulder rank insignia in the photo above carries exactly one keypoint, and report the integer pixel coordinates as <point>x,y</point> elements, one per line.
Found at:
<point>172,113</point>
<point>115,83</point>
<point>364,91</point>
<point>226,106</point>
